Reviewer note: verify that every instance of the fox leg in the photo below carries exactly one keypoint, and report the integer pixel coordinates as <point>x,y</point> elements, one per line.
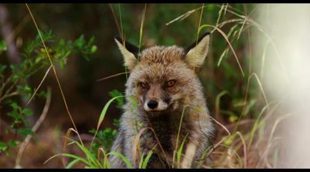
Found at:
<point>142,144</point>
<point>118,145</point>
<point>189,155</point>
<point>146,143</point>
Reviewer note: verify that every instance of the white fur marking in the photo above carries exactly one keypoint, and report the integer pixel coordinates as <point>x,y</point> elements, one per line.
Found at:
<point>160,107</point>
<point>189,155</point>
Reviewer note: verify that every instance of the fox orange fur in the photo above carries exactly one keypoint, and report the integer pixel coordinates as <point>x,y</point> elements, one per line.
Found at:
<point>164,106</point>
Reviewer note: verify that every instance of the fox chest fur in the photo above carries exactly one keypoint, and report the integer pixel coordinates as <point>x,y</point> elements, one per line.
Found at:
<point>165,109</point>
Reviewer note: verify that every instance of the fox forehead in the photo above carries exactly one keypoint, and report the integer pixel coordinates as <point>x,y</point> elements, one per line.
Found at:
<point>161,54</point>
<point>161,63</point>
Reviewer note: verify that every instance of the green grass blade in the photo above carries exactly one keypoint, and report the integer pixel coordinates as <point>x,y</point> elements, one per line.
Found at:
<point>103,113</point>
<point>72,163</point>
<point>141,161</point>
<point>104,110</point>
<point>123,158</point>
<point>93,162</point>
<point>180,150</point>
<point>147,159</point>
<point>68,156</point>
<point>218,101</point>
<point>141,27</point>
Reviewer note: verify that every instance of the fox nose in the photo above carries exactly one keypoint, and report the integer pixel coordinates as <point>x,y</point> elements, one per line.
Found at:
<point>152,104</point>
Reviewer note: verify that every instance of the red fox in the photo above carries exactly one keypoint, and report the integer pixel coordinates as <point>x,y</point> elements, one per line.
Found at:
<point>164,108</point>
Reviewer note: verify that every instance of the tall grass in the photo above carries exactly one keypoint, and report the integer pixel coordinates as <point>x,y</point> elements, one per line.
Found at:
<point>236,143</point>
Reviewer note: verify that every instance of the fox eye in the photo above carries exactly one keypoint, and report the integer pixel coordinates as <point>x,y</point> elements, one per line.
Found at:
<point>171,83</point>
<point>144,85</point>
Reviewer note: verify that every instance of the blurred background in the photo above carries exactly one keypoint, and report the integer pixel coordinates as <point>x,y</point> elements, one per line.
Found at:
<point>287,78</point>
<point>89,68</point>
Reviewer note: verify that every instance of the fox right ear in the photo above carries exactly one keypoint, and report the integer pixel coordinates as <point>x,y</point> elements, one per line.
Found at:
<point>197,52</point>
<point>129,53</point>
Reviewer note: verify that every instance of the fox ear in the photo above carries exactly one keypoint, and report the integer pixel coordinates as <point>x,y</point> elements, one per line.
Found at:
<point>197,52</point>
<point>128,51</point>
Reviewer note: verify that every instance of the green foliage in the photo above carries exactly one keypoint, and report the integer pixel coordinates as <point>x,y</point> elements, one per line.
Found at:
<point>145,160</point>
<point>219,73</point>
<point>120,101</point>
<point>34,60</point>
<point>3,46</point>
<point>104,138</point>
<point>19,114</point>
<point>90,160</point>
<point>102,143</point>
<point>84,47</point>
<point>59,49</point>
<point>5,146</point>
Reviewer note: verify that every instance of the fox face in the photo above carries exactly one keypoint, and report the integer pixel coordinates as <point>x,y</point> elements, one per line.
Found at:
<point>163,78</point>
<point>160,79</point>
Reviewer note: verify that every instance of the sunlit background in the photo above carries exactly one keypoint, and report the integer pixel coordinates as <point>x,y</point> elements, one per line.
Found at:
<point>286,57</point>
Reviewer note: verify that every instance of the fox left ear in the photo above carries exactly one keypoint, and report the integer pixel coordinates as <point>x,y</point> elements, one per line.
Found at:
<point>129,52</point>
<point>197,52</point>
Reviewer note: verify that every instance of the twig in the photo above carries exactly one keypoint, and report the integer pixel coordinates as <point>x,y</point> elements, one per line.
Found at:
<point>34,129</point>
<point>218,123</point>
<point>229,44</point>
<point>112,76</point>
<point>115,19</point>
<point>36,90</point>
<point>54,70</point>
<point>244,149</point>
<point>183,16</point>
<point>8,95</point>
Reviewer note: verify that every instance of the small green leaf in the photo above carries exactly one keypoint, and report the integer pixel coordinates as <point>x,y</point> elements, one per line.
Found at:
<point>27,112</point>
<point>3,46</point>
<point>13,143</point>
<point>228,141</point>
<point>121,101</point>
<point>14,105</point>
<point>233,118</point>
<point>3,147</point>
<point>2,68</point>
<point>93,49</point>
<point>80,42</point>
<point>14,114</point>
<point>24,131</point>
